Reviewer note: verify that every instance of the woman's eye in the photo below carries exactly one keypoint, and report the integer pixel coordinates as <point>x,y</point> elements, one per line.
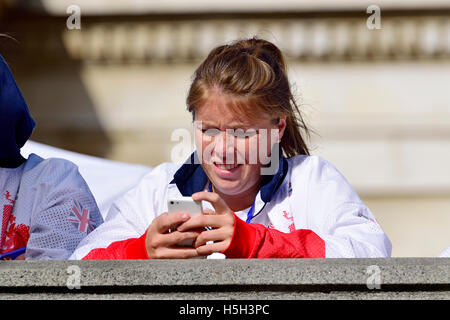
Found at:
<point>211,132</point>
<point>237,133</point>
<point>241,133</point>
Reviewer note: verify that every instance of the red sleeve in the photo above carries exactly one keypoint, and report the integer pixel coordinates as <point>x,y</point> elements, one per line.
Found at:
<point>121,250</point>
<point>257,241</point>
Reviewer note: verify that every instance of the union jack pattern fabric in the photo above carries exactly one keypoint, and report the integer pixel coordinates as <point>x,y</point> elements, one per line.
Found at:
<point>80,217</point>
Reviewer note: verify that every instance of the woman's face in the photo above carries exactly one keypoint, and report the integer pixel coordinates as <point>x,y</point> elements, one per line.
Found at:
<point>233,148</point>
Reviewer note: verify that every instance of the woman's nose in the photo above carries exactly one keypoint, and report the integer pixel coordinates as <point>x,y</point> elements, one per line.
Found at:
<point>224,146</point>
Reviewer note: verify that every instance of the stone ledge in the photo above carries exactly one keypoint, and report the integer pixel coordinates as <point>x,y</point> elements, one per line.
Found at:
<point>400,278</point>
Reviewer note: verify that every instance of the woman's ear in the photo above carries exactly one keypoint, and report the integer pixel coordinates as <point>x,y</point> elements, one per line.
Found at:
<point>281,127</point>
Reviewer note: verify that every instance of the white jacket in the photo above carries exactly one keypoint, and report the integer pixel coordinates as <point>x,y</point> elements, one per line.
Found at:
<point>307,192</point>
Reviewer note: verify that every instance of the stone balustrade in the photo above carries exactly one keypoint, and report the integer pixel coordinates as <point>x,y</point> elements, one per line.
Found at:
<point>394,278</point>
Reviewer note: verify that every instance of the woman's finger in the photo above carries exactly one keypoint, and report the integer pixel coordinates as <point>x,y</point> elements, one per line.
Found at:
<point>211,235</point>
<point>170,239</point>
<point>167,221</point>
<point>208,212</point>
<point>203,221</point>
<point>157,244</point>
<point>175,253</point>
<point>217,202</point>
<point>210,248</point>
<point>176,237</point>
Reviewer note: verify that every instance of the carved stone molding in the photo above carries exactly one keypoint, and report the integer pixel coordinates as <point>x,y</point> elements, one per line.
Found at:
<point>300,39</point>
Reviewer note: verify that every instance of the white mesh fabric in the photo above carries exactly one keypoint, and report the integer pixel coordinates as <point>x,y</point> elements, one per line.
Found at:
<point>49,191</point>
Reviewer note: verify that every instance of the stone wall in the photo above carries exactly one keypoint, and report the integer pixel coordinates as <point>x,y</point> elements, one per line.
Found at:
<point>400,278</point>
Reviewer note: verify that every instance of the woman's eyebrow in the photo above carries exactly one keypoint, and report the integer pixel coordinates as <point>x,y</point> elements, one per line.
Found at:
<point>208,124</point>
<point>243,126</point>
<point>232,125</point>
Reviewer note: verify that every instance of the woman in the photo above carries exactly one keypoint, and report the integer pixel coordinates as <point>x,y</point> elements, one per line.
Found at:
<point>46,207</point>
<point>269,198</point>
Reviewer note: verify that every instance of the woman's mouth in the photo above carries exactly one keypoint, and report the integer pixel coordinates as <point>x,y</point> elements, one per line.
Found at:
<point>226,166</point>
<point>226,170</point>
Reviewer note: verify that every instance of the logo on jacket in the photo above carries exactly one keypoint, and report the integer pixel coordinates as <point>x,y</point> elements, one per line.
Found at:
<point>288,216</point>
<point>80,216</point>
<point>12,236</point>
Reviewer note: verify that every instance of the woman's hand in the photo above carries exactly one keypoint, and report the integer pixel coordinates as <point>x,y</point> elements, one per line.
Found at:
<point>221,222</point>
<point>163,245</point>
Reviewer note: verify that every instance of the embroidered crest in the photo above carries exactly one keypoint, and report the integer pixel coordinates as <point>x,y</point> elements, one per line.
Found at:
<point>16,236</point>
<point>289,217</point>
<point>6,216</point>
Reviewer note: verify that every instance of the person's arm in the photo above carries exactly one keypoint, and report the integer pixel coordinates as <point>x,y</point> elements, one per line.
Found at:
<point>334,212</point>
<point>63,209</point>
<point>343,227</point>
<point>258,241</point>
<point>116,239</point>
<point>237,239</point>
<point>121,235</point>
<point>155,243</point>
<point>136,228</point>
<point>133,248</point>
<point>351,231</point>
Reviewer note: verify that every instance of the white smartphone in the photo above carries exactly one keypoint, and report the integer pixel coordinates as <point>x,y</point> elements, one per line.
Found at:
<point>185,204</point>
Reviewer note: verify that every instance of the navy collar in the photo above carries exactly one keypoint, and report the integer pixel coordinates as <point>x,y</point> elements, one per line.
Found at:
<point>12,162</point>
<point>191,178</point>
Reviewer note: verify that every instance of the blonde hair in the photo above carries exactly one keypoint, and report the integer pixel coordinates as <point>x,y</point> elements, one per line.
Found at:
<point>253,72</point>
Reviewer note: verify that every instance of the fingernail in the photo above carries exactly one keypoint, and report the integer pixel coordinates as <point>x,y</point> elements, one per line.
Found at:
<point>185,216</point>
